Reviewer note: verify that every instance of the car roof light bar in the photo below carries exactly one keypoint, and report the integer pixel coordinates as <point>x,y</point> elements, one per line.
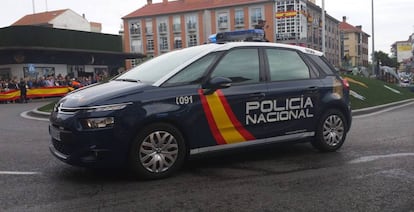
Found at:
<point>239,35</point>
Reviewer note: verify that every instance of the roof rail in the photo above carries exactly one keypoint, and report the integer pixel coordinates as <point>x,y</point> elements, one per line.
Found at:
<point>239,35</point>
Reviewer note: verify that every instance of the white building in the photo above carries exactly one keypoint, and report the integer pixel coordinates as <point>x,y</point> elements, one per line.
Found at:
<point>60,19</point>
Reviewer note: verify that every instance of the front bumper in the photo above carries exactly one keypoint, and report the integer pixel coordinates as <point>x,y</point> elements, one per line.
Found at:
<point>97,149</point>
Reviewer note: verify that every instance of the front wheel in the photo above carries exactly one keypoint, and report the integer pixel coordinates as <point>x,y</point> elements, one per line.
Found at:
<point>330,132</point>
<point>157,152</point>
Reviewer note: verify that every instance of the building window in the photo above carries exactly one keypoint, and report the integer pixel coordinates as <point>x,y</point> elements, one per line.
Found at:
<point>256,15</point>
<point>162,28</point>
<point>177,24</point>
<point>163,44</point>
<point>192,40</point>
<point>239,18</point>
<point>178,43</point>
<point>222,20</point>
<point>135,28</point>
<point>150,44</point>
<point>191,22</point>
<point>136,45</point>
<point>148,27</point>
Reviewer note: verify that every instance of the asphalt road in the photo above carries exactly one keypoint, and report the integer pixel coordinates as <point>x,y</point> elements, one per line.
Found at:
<point>373,171</point>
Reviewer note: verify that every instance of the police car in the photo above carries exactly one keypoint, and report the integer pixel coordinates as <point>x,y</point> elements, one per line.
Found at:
<point>201,99</point>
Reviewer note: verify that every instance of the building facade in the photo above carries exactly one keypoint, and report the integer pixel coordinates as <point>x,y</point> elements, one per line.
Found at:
<point>354,45</point>
<point>299,22</point>
<point>85,53</point>
<point>157,28</point>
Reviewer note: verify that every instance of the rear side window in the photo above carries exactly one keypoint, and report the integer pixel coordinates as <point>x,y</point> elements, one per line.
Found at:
<point>286,65</point>
<point>240,65</point>
<point>323,64</point>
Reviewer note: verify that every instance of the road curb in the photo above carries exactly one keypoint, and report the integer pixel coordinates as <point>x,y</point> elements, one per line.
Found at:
<point>378,108</point>
<point>35,115</point>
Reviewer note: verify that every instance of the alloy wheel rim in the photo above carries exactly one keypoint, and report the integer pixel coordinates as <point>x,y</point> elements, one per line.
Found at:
<point>333,130</point>
<point>158,152</point>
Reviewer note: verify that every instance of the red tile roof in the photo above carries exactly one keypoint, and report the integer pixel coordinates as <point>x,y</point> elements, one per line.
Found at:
<point>344,26</point>
<point>39,18</point>
<point>180,6</point>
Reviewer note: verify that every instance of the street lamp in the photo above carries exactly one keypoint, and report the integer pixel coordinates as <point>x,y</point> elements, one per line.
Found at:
<point>33,4</point>
<point>373,36</point>
<point>323,27</point>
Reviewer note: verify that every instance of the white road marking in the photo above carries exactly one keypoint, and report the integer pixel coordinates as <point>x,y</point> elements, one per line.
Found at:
<point>377,157</point>
<point>18,173</point>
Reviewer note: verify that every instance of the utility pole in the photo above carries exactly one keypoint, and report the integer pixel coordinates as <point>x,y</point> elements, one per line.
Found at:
<point>33,4</point>
<point>323,27</point>
<point>373,39</point>
<point>47,9</point>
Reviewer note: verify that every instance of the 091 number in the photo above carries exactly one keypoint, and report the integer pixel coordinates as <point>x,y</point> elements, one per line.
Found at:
<point>184,100</point>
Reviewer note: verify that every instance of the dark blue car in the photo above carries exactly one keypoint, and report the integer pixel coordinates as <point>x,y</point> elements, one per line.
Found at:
<point>202,99</point>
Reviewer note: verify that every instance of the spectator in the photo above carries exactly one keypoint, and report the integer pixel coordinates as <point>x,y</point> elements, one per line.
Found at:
<point>13,85</point>
<point>23,90</point>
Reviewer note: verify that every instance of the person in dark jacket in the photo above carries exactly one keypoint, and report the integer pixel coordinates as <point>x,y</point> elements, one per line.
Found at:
<point>23,90</point>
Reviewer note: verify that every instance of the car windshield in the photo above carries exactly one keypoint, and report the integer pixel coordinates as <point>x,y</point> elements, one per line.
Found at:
<point>156,68</point>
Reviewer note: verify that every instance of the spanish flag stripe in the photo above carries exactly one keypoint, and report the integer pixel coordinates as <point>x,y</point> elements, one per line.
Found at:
<point>213,127</point>
<point>236,123</point>
<point>223,122</point>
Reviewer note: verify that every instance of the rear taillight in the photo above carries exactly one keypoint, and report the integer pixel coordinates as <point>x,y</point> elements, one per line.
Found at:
<point>345,83</point>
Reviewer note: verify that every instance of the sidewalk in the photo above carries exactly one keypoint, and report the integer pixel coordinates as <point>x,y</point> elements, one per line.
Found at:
<point>44,116</point>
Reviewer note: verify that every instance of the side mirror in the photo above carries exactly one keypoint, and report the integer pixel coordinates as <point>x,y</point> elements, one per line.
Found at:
<point>216,83</point>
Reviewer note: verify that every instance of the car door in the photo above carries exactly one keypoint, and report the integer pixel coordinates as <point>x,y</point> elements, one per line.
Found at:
<point>292,100</point>
<point>225,108</point>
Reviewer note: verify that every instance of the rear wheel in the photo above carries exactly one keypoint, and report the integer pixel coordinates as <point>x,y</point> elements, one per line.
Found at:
<point>157,152</point>
<point>331,131</point>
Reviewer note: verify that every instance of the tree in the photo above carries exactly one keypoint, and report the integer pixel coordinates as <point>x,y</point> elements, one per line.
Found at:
<point>385,60</point>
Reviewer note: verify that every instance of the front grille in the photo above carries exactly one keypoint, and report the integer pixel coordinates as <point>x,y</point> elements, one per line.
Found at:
<point>62,147</point>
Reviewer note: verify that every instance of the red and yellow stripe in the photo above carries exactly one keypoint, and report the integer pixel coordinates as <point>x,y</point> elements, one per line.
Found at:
<point>224,125</point>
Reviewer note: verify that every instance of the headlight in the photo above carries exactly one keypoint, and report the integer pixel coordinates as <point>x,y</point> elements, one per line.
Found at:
<point>97,123</point>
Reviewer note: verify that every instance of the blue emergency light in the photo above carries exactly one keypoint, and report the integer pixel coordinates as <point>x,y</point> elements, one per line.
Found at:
<point>239,35</point>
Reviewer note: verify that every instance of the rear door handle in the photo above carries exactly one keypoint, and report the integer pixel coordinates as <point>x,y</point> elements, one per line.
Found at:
<point>257,96</point>
<point>312,89</point>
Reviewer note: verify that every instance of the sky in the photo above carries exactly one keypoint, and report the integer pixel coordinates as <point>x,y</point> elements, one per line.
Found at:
<point>393,20</point>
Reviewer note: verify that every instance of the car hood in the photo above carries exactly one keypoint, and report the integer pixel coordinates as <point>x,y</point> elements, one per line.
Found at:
<point>111,92</point>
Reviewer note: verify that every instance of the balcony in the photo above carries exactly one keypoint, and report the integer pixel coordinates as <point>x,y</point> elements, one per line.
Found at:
<point>191,27</point>
<point>177,28</point>
<point>223,26</point>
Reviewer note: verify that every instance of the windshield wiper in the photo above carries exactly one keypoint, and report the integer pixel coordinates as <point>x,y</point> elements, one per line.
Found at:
<point>128,80</point>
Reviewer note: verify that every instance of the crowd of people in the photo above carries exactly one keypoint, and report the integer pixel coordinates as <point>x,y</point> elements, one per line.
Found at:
<point>49,81</point>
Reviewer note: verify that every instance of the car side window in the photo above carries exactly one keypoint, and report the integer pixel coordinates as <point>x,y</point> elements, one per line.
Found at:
<point>239,65</point>
<point>193,73</point>
<point>286,65</point>
<point>323,64</point>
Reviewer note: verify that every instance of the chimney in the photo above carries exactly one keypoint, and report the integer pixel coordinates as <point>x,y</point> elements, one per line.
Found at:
<point>165,1</point>
<point>344,19</point>
<point>359,27</point>
<point>149,2</point>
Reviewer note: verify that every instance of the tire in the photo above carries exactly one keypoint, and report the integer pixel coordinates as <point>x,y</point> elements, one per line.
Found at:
<point>330,132</point>
<point>157,152</point>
